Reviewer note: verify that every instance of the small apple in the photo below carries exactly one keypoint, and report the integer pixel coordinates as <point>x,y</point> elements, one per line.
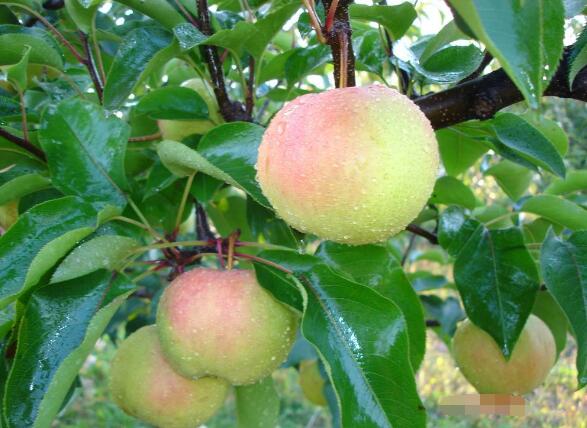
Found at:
<point>312,382</point>
<point>352,165</point>
<point>483,364</point>
<point>224,324</point>
<point>144,385</point>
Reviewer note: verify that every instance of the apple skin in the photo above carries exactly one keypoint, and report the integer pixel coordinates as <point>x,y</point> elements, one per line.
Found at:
<point>352,165</point>
<point>146,387</point>
<point>312,382</point>
<point>224,324</point>
<point>177,130</point>
<point>482,363</point>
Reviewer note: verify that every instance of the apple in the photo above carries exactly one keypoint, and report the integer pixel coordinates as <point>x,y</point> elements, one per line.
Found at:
<point>312,382</point>
<point>144,385</point>
<point>352,165</point>
<point>483,364</point>
<point>224,324</point>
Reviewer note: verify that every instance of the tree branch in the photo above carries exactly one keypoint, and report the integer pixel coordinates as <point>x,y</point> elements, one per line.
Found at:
<point>231,111</point>
<point>24,144</point>
<point>483,97</point>
<point>417,230</point>
<point>91,65</point>
<point>337,31</point>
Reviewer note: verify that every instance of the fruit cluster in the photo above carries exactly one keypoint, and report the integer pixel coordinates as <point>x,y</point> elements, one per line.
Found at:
<point>214,328</point>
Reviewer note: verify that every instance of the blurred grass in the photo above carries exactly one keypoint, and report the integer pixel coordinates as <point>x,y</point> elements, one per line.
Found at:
<point>555,404</point>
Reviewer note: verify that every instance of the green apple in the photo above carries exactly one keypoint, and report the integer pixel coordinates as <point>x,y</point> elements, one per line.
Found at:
<point>352,165</point>
<point>224,324</point>
<point>312,382</point>
<point>483,364</point>
<point>144,385</point>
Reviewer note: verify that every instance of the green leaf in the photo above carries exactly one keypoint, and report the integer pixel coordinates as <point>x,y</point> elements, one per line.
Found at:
<point>564,269</point>
<point>455,229</point>
<point>227,152</point>
<point>525,140</point>
<point>103,252</point>
<point>264,223</point>
<point>139,48</point>
<point>549,311</point>
<point>21,186</point>
<point>578,63</point>
<point>449,190</point>
<point>458,150</point>
<point>362,339</point>
<point>43,49</point>
<point>370,54</point>
<point>513,179</point>
<point>526,37</point>
<point>47,232</point>
<point>83,13</point>
<point>447,312</point>
<point>257,405</point>
<point>497,280</point>
<point>575,181</point>
<point>451,63</point>
<point>449,33</point>
<point>173,102</point>
<point>550,129</point>
<point>254,37</point>
<point>302,61</point>
<point>60,326</point>
<point>17,74</point>
<point>558,210</point>
<point>374,266</point>
<point>160,10</point>
<point>85,151</point>
<point>188,36</point>
<point>396,19</point>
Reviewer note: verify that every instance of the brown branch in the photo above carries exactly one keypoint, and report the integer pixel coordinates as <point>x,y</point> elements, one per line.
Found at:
<point>143,138</point>
<point>417,230</point>
<point>88,61</point>
<point>230,110</point>
<point>483,97</point>
<point>250,99</point>
<point>338,36</point>
<point>24,144</point>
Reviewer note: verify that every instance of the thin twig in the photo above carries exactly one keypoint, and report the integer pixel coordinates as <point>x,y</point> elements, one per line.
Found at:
<point>184,198</point>
<point>144,138</point>
<point>91,66</point>
<point>417,230</point>
<point>203,230</point>
<point>330,16</point>
<point>250,99</point>
<point>23,118</point>
<point>24,144</point>
<point>408,249</point>
<point>314,20</point>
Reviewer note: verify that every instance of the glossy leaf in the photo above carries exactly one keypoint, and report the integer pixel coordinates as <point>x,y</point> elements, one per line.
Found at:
<point>526,141</point>
<point>60,326</point>
<point>447,312</point>
<point>575,181</point>
<point>254,37</point>
<point>451,63</point>
<point>557,210</point>
<point>102,252</point>
<point>497,280</point>
<point>455,229</point>
<point>227,152</point>
<point>21,186</point>
<point>85,152</point>
<point>564,270</point>
<point>264,223</point>
<point>173,102</point>
<point>363,340</point>
<point>450,191</point>
<point>135,52</point>
<point>374,266</point>
<point>449,33</point>
<point>301,61</point>
<point>83,13</point>
<point>526,38</point>
<point>257,405</point>
<point>47,231</point>
<point>396,19</point>
<point>43,48</point>
<point>188,36</point>
<point>513,179</point>
<point>458,150</point>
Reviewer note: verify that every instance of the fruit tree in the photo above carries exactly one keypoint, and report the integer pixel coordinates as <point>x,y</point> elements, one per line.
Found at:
<point>229,190</point>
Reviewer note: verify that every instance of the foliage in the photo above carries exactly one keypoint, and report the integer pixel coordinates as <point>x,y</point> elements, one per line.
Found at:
<point>98,210</point>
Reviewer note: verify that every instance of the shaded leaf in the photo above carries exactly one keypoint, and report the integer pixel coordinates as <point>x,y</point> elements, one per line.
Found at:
<point>513,179</point>
<point>395,19</point>
<point>257,405</point>
<point>450,191</point>
<point>557,210</point>
<point>173,102</point>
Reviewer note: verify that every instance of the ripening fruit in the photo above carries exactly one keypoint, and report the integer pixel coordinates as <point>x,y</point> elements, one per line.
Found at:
<point>352,165</point>
<point>177,130</point>
<point>145,386</point>
<point>223,323</point>
<point>312,382</point>
<point>482,363</point>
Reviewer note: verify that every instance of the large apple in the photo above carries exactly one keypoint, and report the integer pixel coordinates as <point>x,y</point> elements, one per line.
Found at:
<point>483,364</point>
<point>352,165</point>
<point>146,387</point>
<point>223,323</point>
